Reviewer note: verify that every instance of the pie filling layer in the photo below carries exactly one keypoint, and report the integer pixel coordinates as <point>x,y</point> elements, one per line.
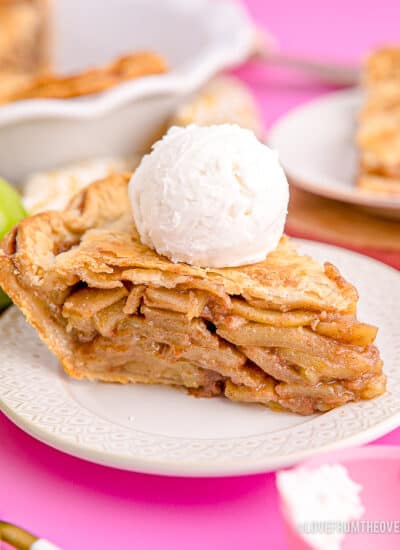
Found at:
<point>282,333</point>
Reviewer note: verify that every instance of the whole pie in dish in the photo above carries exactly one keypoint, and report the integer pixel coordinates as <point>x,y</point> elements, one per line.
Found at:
<point>282,332</point>
<point>378,135</point>
<point>25,71</point>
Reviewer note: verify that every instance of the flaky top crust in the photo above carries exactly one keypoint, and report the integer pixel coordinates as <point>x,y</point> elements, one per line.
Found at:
<point>95,241</point>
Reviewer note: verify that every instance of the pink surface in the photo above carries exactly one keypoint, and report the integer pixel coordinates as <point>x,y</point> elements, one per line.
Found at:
<point>83,506</point>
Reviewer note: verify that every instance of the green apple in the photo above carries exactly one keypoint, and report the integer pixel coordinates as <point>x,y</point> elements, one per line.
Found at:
<point>11,212</point>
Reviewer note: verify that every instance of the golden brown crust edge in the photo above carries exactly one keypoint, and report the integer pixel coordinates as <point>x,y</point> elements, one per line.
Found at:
<point>53,231</point>
<point>91,81</point>
<point>49,330</point>
<point>88,207</point>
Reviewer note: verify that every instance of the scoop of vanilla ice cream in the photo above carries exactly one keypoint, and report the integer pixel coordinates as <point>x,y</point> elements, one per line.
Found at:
<point>210,196</point>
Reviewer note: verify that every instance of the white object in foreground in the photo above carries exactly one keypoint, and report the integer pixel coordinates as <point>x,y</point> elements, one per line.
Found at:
<point>210,196</point>
<point>42,544</point>
<point>326,494</point>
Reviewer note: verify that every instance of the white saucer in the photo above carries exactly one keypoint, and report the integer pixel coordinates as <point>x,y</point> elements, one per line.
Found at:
<point>317,150</point>
<point>164,431</point>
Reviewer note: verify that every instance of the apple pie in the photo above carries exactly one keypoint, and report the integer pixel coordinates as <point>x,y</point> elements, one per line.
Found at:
<point>282,333</point>
<point>378,135</point>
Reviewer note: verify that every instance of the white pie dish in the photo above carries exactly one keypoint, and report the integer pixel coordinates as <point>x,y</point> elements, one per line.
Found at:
<point>198,39</point>
<point>164,431</point>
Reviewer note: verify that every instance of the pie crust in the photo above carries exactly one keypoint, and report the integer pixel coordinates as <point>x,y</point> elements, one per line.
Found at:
<point>91,81</point>
<point>378,135</point>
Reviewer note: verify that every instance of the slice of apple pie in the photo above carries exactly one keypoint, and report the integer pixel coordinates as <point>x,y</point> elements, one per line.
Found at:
<point>282,332</point>
<point>378,136</point>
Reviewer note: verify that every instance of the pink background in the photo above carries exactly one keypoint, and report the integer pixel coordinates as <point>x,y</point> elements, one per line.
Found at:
<point>79,505</point>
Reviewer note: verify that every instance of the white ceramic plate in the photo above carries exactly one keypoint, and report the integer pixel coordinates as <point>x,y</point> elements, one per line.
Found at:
<point>316,147</point>
<point>164,431</point>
